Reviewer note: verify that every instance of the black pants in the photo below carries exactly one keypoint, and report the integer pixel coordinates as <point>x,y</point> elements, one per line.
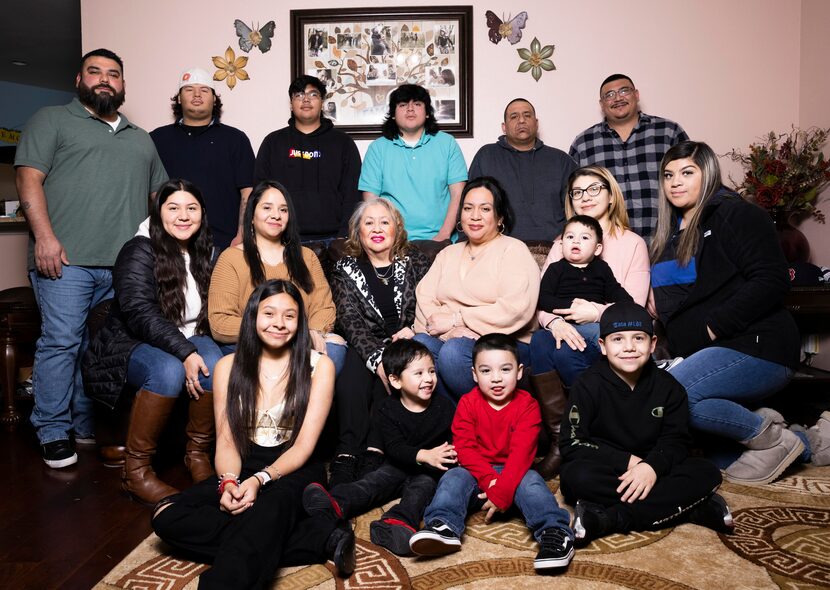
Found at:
<point>357,392</point>
<point>671,497</point>
<point>382,485</point>
<point>246,550</point>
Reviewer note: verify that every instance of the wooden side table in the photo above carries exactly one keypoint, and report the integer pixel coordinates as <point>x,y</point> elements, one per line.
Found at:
<point>19,324</point>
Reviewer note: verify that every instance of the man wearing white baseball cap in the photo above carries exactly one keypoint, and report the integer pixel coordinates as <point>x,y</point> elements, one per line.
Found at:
<point>216,158</point>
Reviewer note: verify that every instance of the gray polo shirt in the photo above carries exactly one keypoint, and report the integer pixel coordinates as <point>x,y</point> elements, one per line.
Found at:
<point>97,179</point>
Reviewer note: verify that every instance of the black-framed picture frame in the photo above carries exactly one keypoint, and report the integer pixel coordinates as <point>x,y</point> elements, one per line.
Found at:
<point>363,54</point>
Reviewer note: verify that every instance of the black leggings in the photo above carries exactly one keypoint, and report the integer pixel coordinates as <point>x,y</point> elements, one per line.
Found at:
<point>671,497</point>
<point>246,550</point>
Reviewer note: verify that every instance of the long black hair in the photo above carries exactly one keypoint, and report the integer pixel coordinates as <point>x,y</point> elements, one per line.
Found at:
<point>170,271</point>
<point>243,384</point>
<point>290,239</point>
<point>405,93</point>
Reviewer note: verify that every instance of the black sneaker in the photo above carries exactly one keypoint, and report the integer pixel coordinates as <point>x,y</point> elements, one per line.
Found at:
<point>591,521</point>
<point>713,513</point>
<point>340,548</point>
<point>556,549</point>
<point>369,461</point>
<point>392,534</point>
<point>343,469</point>
<point>318,502</point>
<point>435,539</point>
<point>59,453</point>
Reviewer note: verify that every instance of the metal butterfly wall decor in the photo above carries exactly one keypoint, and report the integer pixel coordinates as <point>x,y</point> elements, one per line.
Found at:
<point>250,36</point>
<point>510,29</point>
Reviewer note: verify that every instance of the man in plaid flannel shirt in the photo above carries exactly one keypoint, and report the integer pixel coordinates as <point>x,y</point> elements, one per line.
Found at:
<point>630,144</point>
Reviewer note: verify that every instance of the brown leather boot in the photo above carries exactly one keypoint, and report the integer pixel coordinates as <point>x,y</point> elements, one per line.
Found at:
<point>201,432</point>
<point>147,421</point>
<point>552,401</point>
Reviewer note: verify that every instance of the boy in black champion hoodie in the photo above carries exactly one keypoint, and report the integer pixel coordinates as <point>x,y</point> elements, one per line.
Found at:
<point>318,164</point>
<point>626,442</point>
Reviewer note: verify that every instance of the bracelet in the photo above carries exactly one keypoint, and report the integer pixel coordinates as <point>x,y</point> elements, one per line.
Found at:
<point>276,470</point>
<point>263,477</point>
<point>221,488</point>
<point>548,325</point>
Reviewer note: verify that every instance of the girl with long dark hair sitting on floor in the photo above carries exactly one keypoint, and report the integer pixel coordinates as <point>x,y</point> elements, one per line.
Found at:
<point>271,401</point>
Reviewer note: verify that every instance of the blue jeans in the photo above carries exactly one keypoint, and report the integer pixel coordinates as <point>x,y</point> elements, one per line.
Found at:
<point>336,352</point>
<point>569,363</point>
<point>158,371</point>
<point>458,491</point>
<point>454,363</point>
<point>720,383</point>
<point>61,405</point>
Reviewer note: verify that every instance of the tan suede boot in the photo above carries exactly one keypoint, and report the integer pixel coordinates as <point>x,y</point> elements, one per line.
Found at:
<point>552,401</point>
<point>768,454</point>
<point>147,421</point>
<point>201,433</point>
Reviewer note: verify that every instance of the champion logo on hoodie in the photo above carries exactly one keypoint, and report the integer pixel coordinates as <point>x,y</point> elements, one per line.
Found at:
<point>304,154</point>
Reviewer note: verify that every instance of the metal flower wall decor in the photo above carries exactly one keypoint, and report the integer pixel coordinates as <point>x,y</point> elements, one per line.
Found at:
<point>230,68</point>
<point>536,59</point>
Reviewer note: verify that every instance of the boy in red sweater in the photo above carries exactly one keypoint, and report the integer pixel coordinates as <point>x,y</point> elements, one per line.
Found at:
<point>495,430</point>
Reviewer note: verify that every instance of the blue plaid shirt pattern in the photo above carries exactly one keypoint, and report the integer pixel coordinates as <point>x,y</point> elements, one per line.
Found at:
<point>635,163</point>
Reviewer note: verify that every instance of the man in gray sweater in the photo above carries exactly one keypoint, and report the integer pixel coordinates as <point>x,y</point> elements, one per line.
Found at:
<point>533,174</point>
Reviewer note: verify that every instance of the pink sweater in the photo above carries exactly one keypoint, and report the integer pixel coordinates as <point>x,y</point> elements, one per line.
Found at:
<point>498,294</point>
<point>627,255</point>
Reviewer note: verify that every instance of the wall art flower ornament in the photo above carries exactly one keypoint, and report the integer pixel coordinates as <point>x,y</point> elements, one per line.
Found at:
<point>536,59</point>
<point>253,36</point>
<point>230,68</point>
<point>509,28</point>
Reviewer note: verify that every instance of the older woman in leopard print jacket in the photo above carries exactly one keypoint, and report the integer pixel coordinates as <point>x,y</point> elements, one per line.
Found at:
<point>373,287</point>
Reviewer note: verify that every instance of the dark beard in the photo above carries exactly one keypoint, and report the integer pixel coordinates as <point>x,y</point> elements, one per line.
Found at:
<point>104,105</point>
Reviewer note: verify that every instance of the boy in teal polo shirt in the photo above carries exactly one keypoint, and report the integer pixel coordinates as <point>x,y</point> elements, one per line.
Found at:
<point>416,166</point>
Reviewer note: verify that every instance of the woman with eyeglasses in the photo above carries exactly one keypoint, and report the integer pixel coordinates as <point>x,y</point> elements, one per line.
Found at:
<point>568,344</point>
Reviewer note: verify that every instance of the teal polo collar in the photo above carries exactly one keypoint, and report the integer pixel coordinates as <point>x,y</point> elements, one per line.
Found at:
<point>425,138</point>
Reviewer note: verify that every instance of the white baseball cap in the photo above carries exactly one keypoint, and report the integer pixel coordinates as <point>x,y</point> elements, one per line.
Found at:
<point>195,76</point>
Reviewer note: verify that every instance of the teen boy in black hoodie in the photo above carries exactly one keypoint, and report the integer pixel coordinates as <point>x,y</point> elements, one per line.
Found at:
<point>318,164</point>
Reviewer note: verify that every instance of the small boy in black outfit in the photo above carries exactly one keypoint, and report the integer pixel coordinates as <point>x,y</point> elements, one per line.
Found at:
<point>580,273</point>
<point>626,442</point>
<point>415,430</point>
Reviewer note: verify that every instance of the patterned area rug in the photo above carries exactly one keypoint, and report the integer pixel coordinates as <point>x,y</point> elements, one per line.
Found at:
<point>781,540</point>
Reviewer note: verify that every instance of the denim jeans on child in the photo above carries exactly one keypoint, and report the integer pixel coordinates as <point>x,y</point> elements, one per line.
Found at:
<point>721,382</point>
<point>569,363</point>
<point>458,491</point>
<point>162,373</point>
<point>382,485</point>
<point>61,405</point>
<point>454,363</point>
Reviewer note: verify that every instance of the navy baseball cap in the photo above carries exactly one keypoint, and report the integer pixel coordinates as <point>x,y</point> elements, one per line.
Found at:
<point>625,316</point>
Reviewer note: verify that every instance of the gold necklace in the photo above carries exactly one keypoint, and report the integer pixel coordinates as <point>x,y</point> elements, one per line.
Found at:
<point>384,278</point>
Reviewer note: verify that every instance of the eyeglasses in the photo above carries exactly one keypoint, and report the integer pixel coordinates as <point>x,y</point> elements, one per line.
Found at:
<point>622,93</point>
<point>592,191</point>
<point>313,95</point>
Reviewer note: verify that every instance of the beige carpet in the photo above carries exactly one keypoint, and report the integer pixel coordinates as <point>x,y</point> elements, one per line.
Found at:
<point>781,540</point>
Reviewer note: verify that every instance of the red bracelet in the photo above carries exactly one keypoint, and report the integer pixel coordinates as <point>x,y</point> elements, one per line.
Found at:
<point>224,482</point>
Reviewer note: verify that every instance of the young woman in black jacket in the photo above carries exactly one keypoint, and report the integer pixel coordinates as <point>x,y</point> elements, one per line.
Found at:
<point>718,279</point>
<point>155,339</point>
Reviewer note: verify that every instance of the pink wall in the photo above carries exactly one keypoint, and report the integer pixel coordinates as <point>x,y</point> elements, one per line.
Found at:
<point>724,70</point>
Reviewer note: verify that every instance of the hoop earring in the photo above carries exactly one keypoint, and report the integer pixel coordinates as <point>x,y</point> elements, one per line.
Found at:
<point>501,227</point>
<point>458,227</point>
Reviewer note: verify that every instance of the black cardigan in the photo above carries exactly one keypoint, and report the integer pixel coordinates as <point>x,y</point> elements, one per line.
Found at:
<point>742,279</point>
<point>358,319</point>
<point>135,317</point>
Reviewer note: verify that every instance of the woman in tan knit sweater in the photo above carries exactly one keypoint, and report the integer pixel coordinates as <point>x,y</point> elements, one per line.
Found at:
<point>271,249</point>
<point>488,284</point>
